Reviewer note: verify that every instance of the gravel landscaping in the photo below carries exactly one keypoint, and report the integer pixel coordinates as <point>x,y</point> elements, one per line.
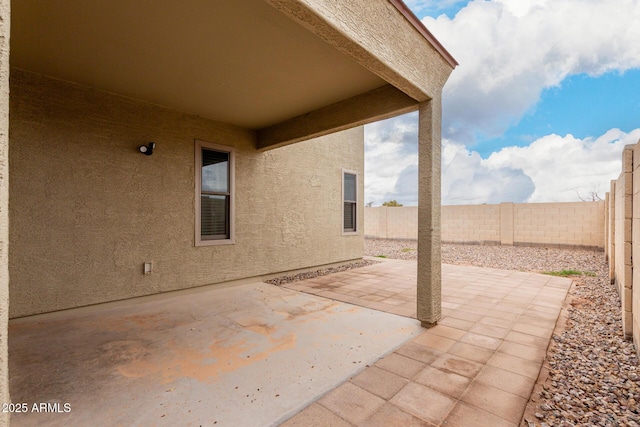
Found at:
<point>593,372</point>
<point>281,280</point>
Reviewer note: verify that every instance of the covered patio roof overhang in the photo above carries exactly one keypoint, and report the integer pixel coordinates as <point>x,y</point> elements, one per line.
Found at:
<point>288,70</point>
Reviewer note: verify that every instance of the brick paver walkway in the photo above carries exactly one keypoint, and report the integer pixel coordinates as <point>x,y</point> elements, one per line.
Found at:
<point>477,367</point>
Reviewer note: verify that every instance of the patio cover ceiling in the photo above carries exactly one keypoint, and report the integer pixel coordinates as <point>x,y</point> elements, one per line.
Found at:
<point>241,62</point>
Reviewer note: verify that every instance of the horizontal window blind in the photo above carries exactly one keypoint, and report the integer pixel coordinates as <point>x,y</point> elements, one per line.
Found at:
<point>349,216</point>
<point>349,187</point>
<point>350,200</point>
<point>214,216</point>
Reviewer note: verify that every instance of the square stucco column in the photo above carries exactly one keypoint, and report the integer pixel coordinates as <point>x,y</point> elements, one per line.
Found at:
<point>4,205</point>
<point>429,256</point>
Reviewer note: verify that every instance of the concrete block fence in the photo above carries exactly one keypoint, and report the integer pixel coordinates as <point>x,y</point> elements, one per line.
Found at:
<point>622,239</point>
<point>580,224</point>
<point>612,225</point>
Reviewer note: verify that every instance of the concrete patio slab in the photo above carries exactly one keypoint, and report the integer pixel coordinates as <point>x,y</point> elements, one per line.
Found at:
<point>250,355</point>
<point>255,355</point>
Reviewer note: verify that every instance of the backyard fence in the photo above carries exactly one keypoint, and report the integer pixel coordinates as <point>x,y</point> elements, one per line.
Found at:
<point>612,225</point>
<point>622,239</point>
<point>580,224</point>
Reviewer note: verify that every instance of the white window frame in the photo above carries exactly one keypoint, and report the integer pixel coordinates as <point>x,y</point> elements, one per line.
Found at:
<point>199,146</point>
<point>357,202</point>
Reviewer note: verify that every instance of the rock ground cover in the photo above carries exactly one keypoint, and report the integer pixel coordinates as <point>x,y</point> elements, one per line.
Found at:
<point>281,280</point>
<point>593,377</point>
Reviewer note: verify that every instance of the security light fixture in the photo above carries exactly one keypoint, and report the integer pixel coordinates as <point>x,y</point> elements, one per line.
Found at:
<point>147,150</point>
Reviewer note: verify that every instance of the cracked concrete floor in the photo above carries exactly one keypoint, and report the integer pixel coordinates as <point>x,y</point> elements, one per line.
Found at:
<point>251,355</point>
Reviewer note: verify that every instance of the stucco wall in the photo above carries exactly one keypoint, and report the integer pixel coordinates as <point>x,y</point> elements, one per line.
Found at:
<point>368,24</point>
<point>4,205</point>
<point>561,224</point>
<point>88,209</point>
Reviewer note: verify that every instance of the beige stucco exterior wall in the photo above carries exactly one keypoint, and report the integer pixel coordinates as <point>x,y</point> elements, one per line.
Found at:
<point>562,224</point>
<point>623,274</point>
<point>88,209</point>
<point>4,205</point>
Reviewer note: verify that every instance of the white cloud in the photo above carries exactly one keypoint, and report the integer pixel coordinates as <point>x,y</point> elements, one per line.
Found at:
<point>552,168</point>
<point>566,168</point>
<point>467,179</point>
<point>390,147</point>
<point>405,190</point>
<point>511,50</point>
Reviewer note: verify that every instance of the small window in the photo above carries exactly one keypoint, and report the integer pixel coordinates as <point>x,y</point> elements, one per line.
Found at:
<point>214,194</point>
<point>350,200</point>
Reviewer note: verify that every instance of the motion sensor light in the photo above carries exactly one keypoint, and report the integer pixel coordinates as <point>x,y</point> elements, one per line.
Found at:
<point>147,150</point>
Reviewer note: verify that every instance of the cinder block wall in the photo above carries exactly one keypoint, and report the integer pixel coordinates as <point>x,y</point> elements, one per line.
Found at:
<point>623,221</point>
<point>402,222</point>
<point>471,224</point>
<point>631,311</point>
<point>623,239</point>
<point>611,230</point>
<point>578,224</point>
<point>606,227</point>
<point>570,224</point>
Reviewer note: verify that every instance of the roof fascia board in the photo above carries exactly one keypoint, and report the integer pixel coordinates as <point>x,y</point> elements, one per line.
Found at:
<point>422,29</point>
<point>377,35</point>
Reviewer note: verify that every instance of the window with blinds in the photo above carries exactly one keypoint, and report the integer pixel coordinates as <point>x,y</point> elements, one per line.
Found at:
<point>350,199</point>
<point>215,192</point>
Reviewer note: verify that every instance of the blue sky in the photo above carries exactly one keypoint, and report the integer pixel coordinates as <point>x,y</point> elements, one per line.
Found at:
<point>582,106</point>
<point>546,95</point>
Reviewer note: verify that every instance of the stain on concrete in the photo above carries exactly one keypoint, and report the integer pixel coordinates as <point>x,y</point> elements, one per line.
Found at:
<point>179,360</point>
<point>211,352</point>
